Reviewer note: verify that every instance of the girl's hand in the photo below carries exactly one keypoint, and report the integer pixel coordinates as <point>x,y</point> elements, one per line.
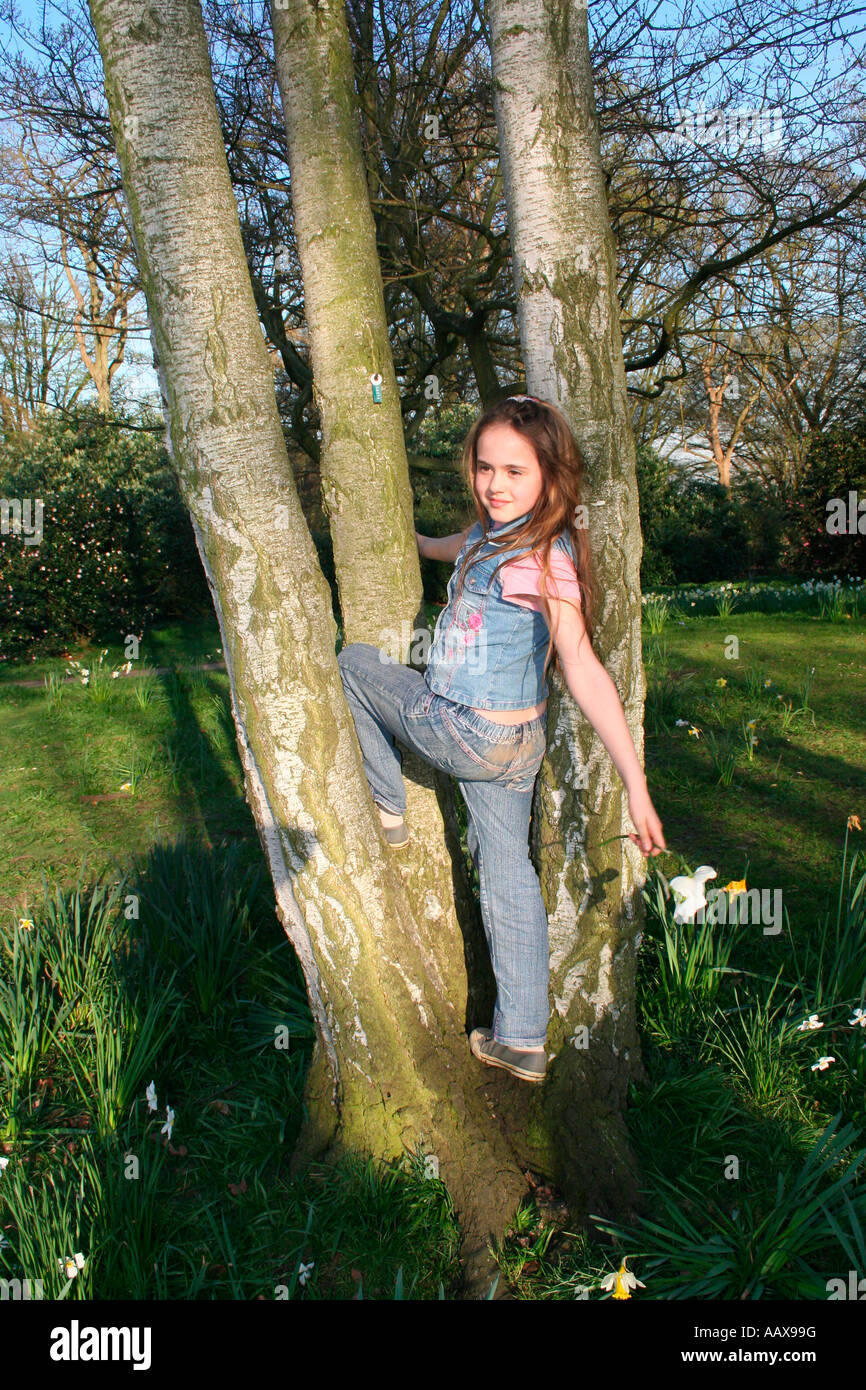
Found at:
<point>418,540</point>
<point>650,836</point>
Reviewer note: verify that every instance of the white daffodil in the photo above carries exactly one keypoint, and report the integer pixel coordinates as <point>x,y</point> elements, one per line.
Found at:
<point>859,1017</point>
<point>4,1163</point>
<point>822,1063</point>
<point>126,786</point>
<point>682,723</point>
<point>810,1024</point>
<point>169,1122</point>
<point>691,891</point>
<point>304,1271</point>
<point>25,923</point>
<point>71,1264</point>
<point>150,1095</point>
<point>622,1282</point>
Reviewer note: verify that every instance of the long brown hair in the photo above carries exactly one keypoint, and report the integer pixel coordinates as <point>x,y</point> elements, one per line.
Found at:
<point>562,490</point>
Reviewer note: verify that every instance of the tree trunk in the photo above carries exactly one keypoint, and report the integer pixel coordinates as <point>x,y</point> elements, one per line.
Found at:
<point>565,280</point>
<point>391,1069</point>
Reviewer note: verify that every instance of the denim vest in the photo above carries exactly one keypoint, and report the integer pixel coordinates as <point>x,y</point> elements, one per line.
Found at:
<point>488,652</point>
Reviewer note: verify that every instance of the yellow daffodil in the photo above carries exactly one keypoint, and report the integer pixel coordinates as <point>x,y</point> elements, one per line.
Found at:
<point>126,786</point>
<point>854,823</point>
<point>721,681</point>
<point>735,887</point>
<point>622,1282</point>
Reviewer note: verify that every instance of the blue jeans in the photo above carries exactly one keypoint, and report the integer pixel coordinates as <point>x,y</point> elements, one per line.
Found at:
<point>496,766</point>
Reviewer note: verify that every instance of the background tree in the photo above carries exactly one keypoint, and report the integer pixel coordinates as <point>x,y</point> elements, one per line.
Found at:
<point>38,366</point>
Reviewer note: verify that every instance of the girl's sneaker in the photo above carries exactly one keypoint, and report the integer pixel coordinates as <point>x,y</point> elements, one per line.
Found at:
<point>396,835</point>
<point>529,1066</point>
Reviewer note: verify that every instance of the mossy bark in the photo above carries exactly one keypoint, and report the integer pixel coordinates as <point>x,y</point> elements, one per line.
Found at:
<point>565,281</point>
<point>383,964</point>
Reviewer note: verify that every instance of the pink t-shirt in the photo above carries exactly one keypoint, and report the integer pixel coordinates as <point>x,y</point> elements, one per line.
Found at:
<point>521,579</point>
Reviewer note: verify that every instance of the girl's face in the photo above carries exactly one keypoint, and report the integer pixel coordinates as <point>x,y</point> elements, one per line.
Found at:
<point>508,477</point>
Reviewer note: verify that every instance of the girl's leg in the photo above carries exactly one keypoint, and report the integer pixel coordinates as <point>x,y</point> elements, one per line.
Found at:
<point>389,701</point>
<point>376,687</point>
<point>496,766</point>
<point>512,909</point>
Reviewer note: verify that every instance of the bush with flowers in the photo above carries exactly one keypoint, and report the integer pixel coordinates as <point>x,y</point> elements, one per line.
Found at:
<point>117,550</point>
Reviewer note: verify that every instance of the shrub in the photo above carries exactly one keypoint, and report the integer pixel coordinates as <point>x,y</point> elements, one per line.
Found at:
<point>117,549</point>
<point>835,465</point>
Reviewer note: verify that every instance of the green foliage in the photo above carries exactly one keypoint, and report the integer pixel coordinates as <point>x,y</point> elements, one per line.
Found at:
<point>835,465</point>
<point>443,430</point>
<point>117,549</point>
<point>693,531</point>
<point>778,1249</point>
<point>195,921</point>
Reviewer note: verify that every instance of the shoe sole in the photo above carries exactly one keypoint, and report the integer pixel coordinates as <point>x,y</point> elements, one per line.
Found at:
<point>395,844</point>
<point>504,1066</point>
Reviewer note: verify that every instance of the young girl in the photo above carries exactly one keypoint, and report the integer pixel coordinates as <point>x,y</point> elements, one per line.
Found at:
<point>521,585</point>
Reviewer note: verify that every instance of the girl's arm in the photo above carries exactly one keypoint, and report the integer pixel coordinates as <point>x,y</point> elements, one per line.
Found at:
<point>445,548</point>
<point>598,698</point>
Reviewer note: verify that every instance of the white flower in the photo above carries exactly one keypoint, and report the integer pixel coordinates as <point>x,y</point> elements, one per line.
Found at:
<point>859,1017</point>
<point>71,1264</point>
<point>822,1063</point>
<point>150,1094</point>
<point>621,1281</point>
<point>4,1163</point>
<point>169,1121</point>
<point>691,890</point>
<point>810,1023</point>
<point>304,1271</point>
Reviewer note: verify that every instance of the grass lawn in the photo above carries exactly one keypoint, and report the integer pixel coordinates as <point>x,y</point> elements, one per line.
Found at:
<point>121,769</point>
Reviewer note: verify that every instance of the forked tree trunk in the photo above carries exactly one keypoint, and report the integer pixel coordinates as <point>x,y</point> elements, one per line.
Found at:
<point>365,474</point>
<point>391,1068</point>
<point>565,279</point>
